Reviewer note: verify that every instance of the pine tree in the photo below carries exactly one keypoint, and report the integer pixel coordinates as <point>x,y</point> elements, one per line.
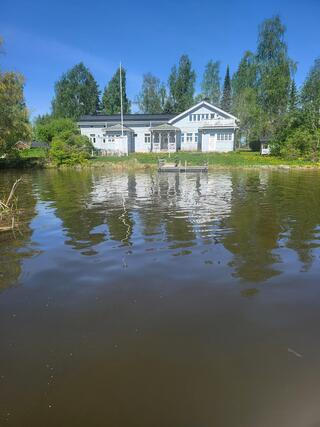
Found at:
<point>310,95</point>
<point>111,103</point>
<point>227,92</point>
<point>181,85</point>
<point>210,85</point>
<point>293,97</point>
<point>76,93</point>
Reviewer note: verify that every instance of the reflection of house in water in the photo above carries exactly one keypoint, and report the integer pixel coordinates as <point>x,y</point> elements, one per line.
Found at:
<point>177,204</point>
<point>114,195</point>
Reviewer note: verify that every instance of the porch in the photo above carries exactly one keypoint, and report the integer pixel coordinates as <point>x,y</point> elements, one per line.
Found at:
<point>164,138</point>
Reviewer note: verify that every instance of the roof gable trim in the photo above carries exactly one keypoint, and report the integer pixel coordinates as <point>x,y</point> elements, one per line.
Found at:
<point>201,104</point>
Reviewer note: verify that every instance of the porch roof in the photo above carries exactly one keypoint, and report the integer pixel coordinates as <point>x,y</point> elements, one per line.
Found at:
<point>221,125</point>
<point>117,128</point>
<point>164,127</point>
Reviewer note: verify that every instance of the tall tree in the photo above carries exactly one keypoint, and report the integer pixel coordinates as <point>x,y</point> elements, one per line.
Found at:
<point>244,96</point>
<point>152,96</point>
<point>274,68</point>
<point>293,97</point>
<point>210,85</point>
<point>181,84</point>
<point>14,116</point>
<point>76,93</point>
<point>111,102</point>
<point>227,93</point>
<point>246,75</point>
<point>310,95</point>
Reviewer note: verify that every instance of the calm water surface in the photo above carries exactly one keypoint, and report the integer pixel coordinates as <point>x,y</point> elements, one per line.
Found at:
<point>150,300</point>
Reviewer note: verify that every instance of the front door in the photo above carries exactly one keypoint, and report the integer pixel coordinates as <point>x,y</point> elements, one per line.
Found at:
<point>164,142</point>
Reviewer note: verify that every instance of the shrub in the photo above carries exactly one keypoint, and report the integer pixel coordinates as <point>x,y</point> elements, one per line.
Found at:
<point>301,143</point>
<point>46,128</point>
<point>70,151</point>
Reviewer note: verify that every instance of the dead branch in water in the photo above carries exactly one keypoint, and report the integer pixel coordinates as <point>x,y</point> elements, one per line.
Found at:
<point>8,209</point>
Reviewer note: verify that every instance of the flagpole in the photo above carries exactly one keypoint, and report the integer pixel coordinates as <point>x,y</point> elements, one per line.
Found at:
<point>121,106</point>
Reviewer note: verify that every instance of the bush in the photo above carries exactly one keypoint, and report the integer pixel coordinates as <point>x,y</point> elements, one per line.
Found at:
<point>67,146</point>
<point>255,145</point>
<point>75,149</point>
<point>301,143</point>
<point>46,128</point>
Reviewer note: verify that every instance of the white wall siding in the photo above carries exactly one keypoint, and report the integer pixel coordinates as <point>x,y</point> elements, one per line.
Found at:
<point>212,141</point>
<point>139,140</point>
<point>202,128</point>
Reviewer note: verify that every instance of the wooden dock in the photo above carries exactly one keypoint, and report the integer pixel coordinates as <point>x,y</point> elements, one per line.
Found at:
<point>163,166</point>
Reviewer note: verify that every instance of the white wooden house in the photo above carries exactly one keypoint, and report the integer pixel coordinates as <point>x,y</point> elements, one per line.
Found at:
<point>202,127</point>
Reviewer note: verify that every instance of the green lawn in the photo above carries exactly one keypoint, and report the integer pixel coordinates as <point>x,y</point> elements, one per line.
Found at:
<point>243,159</point>
<point>237,159</point>
<point>34,153</point>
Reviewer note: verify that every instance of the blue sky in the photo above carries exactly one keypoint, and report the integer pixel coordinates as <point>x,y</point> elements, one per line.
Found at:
<point>44,39</point>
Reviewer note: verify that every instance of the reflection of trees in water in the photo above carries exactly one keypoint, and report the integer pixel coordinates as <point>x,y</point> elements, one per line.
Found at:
<point>15,247</point>
<point>248,212</point>
<point>69,193</point>
<point>300,213</point>
<point>253,229</point>
<point>269,208</point>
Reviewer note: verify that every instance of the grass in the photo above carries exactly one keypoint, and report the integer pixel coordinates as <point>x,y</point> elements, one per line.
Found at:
<point>233,159</point>
<point>34,153</point>
<point>245,159</point>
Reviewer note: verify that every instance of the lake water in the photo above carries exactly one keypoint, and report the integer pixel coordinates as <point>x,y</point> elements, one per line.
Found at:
<point>149,300</point>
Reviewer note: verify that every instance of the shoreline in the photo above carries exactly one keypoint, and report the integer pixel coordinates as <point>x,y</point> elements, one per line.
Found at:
<point>149,161</point>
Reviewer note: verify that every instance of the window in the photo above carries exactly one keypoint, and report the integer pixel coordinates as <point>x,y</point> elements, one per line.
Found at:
<point>182,137</point>
<point>224,136</point>
<point>190,118</point>
<point>189,137</point>
<point>147,138</point>
<point>195,137</point>
<point>104,140</point>
<point>212,116</point>
<point>199,117</point>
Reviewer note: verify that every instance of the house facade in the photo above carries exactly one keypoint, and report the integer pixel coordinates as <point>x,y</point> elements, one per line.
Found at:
<point>203,127</point>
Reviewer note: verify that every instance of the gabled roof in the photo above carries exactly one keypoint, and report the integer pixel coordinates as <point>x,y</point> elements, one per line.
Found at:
<point>117,128</point>
<point>164,127</point>
<point>39,144</point>
<point>126,117</point>
<point>202,104</point>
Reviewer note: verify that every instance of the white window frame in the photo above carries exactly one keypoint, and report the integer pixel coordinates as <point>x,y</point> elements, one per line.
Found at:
<point>147,138</point>
<point>189,137</point>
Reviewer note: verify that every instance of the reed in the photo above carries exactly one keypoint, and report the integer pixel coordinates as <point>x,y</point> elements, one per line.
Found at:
<point>9,209</point>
